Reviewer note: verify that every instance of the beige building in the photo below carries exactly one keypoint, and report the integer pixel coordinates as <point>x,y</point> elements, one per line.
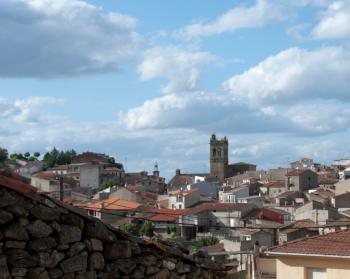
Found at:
<point>301,180</point>
<point>111,210</point>
<point>325,256</point>
<point>48,185</point>
<point>184,199</point>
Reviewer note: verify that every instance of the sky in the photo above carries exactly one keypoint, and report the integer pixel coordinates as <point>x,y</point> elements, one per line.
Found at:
<point>148,81</point>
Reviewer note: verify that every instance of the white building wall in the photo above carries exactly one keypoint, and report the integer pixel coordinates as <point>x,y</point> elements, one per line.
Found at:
<point>89,177</point>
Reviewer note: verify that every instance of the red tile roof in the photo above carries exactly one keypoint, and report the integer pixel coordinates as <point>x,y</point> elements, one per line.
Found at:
<point>170,211</point>
<point>286,194</point>
<point>278,184</point>
<point>58,167</point>
<point>113,204</point>
<point>131,188</point>
<point>215,248</point>
<point>185,192</point>
<point>328,180</point>
<point>113,169</point>
<point>296,172</point>
<point>16,185</point>
<point>335,244</point>
<point>162,217</point>
<point>26,167</point>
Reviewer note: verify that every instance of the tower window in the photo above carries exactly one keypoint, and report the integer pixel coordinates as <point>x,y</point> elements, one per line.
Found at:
<point>214,152</point>
<point>219,151</point>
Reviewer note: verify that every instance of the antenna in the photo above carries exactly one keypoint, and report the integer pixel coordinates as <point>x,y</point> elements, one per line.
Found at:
<point>204,169</point>
<point>156,166</point>
<point>126,164</point>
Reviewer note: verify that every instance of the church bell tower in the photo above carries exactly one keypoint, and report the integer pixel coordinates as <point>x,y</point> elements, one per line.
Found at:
<point>218,157</point>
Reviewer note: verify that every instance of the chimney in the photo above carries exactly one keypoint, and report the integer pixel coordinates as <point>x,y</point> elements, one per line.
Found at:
<point>256,249</point>
<point>178,172</point>
<point>102,205</point>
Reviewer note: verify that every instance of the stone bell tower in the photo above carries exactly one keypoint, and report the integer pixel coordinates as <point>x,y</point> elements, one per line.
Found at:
<point>218,157</point>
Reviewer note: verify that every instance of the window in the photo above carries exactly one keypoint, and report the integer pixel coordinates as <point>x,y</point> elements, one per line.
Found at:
<point>214,210</point>
<point>219,151</point>
<point>309,178</point>
<point>149,183</point>
<point>214,152</point>
<point>316,273</point>
<point>179,205</point>
<point>77,177</point>
<point>143,183</point>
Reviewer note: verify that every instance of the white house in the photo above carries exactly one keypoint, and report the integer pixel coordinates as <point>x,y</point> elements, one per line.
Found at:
<point>205,188</point>
<point>184,199</point>
<point>27,170</point>
<point>232,195</point>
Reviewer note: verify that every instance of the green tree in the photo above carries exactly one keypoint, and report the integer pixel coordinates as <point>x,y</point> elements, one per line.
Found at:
<point>46,157</point>
<point>27,155</point>
<point>3,154</point>
<point>106,185</point>
<point>31,158</point>
<point>130,228</point>
<point>204,242</point>
<point>15,156</point>
<point>117,165</point>
<point>36,155</point>
<point>172,229</point>
<point>147,229</point>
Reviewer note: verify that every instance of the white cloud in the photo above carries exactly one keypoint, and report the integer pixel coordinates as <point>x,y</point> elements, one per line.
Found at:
<point>7,109</point>
<point>181,66</point>
<point>334,22</point>
<point>63,38</point>
<point>26,110</point>
<point>262,13</point>
<point>208,112</point>
<point>295,75</point>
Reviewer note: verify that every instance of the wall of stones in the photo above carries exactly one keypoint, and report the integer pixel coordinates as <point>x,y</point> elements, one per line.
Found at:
<point>43,238</point>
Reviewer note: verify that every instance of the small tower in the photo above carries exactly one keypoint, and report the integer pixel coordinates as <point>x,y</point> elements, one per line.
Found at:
<point>218,157</point>
<point>156,171</point>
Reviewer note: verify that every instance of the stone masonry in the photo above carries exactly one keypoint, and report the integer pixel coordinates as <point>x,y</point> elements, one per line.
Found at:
<point>43,238</point>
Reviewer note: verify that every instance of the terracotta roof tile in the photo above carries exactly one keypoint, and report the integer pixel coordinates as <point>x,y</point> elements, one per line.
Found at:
<point>16,185</point>
<point>328,180</point>
<point>162,217</point>
<point>334,243</point>
<point>296,172</point>
<point>185,192</point>
<point>215,248</point>
<point>286,194</point>
<point>114,204</point>
<point>170,211</point>
<point>278,184</point>
<point>131,188</point>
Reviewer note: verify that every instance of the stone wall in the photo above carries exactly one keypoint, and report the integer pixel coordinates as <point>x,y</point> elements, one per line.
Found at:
<point>41,237</point>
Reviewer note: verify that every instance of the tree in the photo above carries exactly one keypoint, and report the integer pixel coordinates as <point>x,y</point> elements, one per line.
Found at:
<point>117,165</point>
<point>3,154</point>
<point>31,158</point>
<point>46,156</point>
<point>204,242</point>
<point>130,228</point>
<point>15,156</point>
<point>172,229</point>
<point>27,155</point>
<point>147,229</point>
<point>36,155</point>
<point>106,185</point>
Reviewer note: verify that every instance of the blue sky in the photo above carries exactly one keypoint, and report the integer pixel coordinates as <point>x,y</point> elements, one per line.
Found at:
<point>152,80</point>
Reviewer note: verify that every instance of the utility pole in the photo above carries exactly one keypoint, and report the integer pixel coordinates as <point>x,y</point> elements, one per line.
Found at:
<point>61,188</point>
